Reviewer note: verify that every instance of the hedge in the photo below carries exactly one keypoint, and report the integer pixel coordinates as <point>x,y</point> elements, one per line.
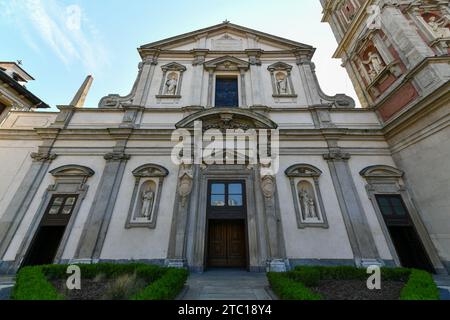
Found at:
<point>294,285</point>
<point>32,283</point>
<point>420,287</point>
<point>289,289</point>
<point>165,288</point>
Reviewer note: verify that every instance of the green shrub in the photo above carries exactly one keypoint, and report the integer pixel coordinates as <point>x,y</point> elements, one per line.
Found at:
<point>420,286</point>
<point>310,277</point>
<point>353,273</point>
<point>162,283</point>
<point>293,285</point>
<point>165,288</point>
<point>123,287</point>
<point>289,289</point>
<point>31,284</point>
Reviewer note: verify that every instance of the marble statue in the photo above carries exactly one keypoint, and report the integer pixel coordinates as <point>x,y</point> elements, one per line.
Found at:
<point>375,63</point>
<point>148,197</point>
<point>308,205</point>
<point>312,213</point>
<point>439,28</point>
<point>282,86</point>
<point>172,84</point>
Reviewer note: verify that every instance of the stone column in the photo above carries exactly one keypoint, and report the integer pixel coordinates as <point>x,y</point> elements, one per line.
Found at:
<point>305,67</point>
<point>18,207</point>
<point>243,89</point>
<point>210,87</point>
<point>144,81</point>
<point>197,76</point>
<point>177,246</point>
<point>276,260</point>
<point>96,226</point>
<point>361,239</point>
<point>255,74</point>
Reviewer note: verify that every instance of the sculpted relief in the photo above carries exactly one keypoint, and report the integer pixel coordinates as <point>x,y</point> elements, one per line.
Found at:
<point>439,27</point>
<point>375,64</point>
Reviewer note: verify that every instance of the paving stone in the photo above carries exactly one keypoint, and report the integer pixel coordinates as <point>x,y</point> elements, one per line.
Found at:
<point>227,285</point>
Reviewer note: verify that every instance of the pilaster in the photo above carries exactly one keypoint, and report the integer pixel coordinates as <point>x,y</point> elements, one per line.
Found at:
<point>356,223</point>
<point>18,207</point>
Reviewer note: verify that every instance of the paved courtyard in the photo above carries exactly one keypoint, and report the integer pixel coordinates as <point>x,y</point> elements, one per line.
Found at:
<point>6,285</point>
<point>227,285</point>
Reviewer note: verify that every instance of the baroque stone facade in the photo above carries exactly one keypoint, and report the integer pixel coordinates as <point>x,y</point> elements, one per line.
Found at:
<point>105,177</point>
<point>397,55</point>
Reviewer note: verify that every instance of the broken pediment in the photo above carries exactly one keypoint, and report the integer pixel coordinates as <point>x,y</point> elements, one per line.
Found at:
<point>227,118</point>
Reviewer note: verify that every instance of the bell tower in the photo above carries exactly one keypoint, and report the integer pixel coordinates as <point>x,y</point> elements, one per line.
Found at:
<point>397,55</point>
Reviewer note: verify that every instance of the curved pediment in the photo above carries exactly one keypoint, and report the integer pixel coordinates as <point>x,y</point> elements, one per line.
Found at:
<point>381,171</point>
<point>72,170</point>
<point>303,170</point>
<point>228,118</point>
<point>150,170</point>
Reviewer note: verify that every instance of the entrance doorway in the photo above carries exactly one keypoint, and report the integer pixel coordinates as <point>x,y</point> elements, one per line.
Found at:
<point>227,94</point>
<point>406,240</point>
<point>227,236</point>
<point>50,232</point>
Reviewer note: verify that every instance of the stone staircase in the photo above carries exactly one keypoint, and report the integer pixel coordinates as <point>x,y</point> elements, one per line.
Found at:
<point>6,286</point>
<point>443,283</point>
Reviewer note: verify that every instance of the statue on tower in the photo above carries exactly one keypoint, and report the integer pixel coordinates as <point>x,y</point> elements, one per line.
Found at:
<point>375,63</point>
<point>439,27</point>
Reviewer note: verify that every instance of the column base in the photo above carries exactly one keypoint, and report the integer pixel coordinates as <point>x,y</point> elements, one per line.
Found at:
<point>365,263</point>
<point>277,265</point>
<point>83,261</point>
<point>176,263</point>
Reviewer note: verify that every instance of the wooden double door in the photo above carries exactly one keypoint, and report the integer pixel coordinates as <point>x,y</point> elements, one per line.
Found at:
<point>227,247</point>
<point>227,236</point>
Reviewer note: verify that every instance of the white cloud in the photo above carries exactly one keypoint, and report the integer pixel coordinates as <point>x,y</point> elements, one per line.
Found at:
<point>65,30</point>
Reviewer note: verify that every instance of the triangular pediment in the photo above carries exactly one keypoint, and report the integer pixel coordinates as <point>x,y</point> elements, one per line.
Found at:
<point>226,37</point>
<point>279,66</point>
<point>173,66</point>
<point>227,63</point>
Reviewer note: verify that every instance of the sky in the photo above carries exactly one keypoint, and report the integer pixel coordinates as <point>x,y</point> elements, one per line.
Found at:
<point>60,42</point>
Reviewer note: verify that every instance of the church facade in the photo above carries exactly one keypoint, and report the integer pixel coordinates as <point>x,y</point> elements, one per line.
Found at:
<point>309,178</point>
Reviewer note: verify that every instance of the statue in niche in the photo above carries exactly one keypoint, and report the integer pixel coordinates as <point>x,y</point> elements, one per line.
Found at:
<point>172,84</point>
<point>282,84</point>
<point>308,205</point>
<point>439,27</point>
<point>375,63</point>
<point>148,198</point>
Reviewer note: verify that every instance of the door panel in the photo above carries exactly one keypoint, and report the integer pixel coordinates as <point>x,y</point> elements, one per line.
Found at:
<point>227,244</point>
<point>217,244</point>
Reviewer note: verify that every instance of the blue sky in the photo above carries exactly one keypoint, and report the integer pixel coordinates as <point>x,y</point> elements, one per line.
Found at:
<point>60,42</point>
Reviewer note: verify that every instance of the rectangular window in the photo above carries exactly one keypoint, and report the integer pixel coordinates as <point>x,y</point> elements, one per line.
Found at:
<point>227,194</point>
<point>391,205</point>
<point>61,205</point>
<point>227,92</point>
